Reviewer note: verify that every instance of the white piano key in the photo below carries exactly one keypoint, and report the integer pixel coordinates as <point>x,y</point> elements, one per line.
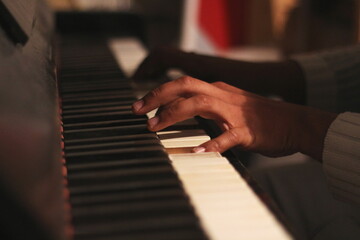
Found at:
<point>129,53</point>
<point>151,114</point>
<point>182,144</point>
<point>187,156</point>
<point>183,138</point>
<point>227,207</point>
<point>180,135</point>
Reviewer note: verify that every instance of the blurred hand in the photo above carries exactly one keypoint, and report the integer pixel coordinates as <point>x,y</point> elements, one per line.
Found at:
<point>284,79</point>
<point>252,122</point>
<point>154,65</point>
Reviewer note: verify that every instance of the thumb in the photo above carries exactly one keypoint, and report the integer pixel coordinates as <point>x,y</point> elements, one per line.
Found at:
<point>227,140</point>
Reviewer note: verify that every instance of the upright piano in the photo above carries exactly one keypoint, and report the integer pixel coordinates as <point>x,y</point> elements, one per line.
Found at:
<point>75,163</point>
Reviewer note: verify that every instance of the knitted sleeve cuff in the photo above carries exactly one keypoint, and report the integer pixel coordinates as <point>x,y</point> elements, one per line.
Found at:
<point>320,82</point>
<point>341,157</point>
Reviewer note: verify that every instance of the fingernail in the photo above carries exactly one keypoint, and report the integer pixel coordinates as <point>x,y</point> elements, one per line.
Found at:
<point>199,150</point>
<point>153,121</point>
<point>138,105</point>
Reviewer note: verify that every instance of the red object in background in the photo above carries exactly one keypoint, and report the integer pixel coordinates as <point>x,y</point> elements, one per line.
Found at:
<point>224,21</point>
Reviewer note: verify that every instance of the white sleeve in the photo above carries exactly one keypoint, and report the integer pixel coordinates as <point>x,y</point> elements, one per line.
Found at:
<point>333,79</point>
<point>341,157</point>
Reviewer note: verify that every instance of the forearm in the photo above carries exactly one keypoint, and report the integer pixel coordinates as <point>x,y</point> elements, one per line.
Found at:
<point>284,78</point>
<point>313,125</point>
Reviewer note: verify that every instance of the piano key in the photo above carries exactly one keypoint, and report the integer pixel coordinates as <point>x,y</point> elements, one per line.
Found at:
<point>106,131</point>
<point>169,227</point>
<point>146,162</point>
<point>93,77</point>
<point>112,72</point>
<point>87,68</point>
<point>107,139</point>
<point>98,93</point>
<point>91,117</point>
<point>199,156</point>
<point>95,110</point>
<point>120,175</point>
<point>104,97</point>
<point>84,84</point>
<point>93,88</point>
<point>128,186</point>
<point>132,53</point>
<point>150,194</point>
<point>98,104</point>
<point>112,145</point>
<point>130,210</point>
<point>117,154</point>
<point>97,100</point>
<point>110,123</point>
<point>184,138</point>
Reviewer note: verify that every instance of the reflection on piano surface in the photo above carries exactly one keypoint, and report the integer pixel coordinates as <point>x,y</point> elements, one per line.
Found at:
<point>124,182</point>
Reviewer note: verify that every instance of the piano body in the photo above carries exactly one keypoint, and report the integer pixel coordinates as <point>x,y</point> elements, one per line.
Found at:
<point>76,163</point>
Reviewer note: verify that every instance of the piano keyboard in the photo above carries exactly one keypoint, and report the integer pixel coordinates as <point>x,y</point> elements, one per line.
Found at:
<point>122,182</point>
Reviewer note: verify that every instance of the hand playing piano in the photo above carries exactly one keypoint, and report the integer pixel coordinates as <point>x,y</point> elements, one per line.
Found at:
<point>252,122</point>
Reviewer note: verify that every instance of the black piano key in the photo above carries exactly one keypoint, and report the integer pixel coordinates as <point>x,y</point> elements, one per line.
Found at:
<point>70,67</point>
<point>125,96</point>
<point>76,101</point>
<point>135,196</point>
<point>171,226</point>
<point>117,154</point>
<point>99,104</point>
<point>88,68</point>
<point>164,234</point>
<point>130,210</point>
<point>95,110</point>
<point>100,110</point>
<point>110,123</point>
<point>85,59</point>
<point>120,175</point>
<point>122,186</point>
<point>126,212</point>
<point>109,139</point>
<point>111,145</point>
<point>86,84</point>
<point>92,72</point>
<point>102,116</point>
<point>100,93</point>
<point>105,131</point>
<point>93,77</point>
<point>113,164</point>
<point>94,88</point>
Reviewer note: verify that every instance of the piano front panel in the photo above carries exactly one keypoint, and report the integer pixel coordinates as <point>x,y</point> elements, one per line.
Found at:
<point>30,167</point>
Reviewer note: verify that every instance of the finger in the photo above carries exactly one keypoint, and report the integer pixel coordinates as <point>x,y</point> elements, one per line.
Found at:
<point>205,106</point>
<point>183,87</point>
<point>232,89</point>
<point>233,137</point>
<point>163,107</point>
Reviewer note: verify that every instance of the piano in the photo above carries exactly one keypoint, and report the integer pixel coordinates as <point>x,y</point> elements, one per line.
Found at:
<point>77,164</point>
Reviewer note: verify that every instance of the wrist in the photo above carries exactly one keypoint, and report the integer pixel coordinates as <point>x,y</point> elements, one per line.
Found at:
<point>315,125</point>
